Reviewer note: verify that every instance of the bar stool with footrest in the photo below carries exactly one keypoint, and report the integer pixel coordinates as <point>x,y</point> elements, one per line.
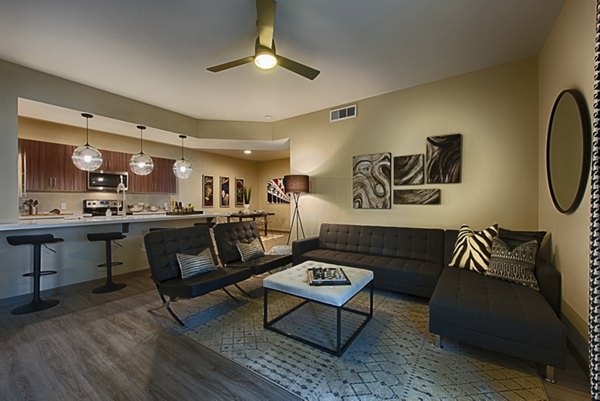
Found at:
<point>37,303</point>
<point>108,238</point>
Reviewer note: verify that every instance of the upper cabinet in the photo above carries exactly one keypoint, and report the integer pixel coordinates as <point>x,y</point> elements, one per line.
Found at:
<point>114,161</point>
<point>160,180</point>
<point>49,168</point>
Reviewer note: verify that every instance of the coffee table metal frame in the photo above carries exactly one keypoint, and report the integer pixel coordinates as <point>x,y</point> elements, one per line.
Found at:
<point>340,348</point>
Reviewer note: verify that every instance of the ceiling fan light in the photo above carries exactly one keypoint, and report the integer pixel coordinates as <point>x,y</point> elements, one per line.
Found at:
<point>265,60</point>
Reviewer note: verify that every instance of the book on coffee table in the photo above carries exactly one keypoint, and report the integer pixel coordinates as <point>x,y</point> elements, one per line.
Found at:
<point>327,276</point>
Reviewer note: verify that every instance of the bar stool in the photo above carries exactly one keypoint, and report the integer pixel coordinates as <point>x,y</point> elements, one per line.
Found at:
<point>37,303</point>
<point>108,238</point>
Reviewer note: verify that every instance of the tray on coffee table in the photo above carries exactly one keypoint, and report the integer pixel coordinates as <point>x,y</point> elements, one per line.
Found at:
<point>327,276</point>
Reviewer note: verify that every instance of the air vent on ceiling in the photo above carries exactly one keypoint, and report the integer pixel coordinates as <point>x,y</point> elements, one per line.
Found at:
<point>343,113</point>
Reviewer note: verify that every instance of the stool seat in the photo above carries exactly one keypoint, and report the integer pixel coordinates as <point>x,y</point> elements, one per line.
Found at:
<point>33,239</point>
<point>37,303</point>
<point>112,236</point>
<point>110,286</point>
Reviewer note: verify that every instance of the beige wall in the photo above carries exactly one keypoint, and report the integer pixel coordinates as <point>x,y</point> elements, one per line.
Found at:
<point>188,191</point>
<point>266,171</point>
<point>496,112</point>
<point>567,61</point>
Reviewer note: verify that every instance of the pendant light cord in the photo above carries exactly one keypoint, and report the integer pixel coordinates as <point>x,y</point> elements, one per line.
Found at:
<point>87,131</point>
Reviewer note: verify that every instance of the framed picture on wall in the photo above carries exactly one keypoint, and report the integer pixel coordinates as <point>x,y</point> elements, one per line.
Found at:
<point>208,190</point>
<point>224,193</point>
<point>239,191</point>
<point>276,191</point>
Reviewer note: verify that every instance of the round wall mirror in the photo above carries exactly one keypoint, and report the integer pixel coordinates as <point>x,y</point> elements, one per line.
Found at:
<point>568,150</point>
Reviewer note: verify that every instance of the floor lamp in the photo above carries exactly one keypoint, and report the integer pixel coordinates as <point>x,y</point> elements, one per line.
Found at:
<point>296,184</point>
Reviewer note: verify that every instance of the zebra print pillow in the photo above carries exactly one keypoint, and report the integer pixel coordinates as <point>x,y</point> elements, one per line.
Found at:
<point>194,265</point>
<point>472,249</point>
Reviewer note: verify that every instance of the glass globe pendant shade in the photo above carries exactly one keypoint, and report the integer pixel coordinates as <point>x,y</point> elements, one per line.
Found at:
<point>141,164</point>
<point>87,158</point>
<point>182,169</point>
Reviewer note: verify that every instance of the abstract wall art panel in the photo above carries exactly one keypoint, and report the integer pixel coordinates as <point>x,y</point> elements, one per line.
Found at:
<point>224,194</point>
<point>408,170</point>
<point>276,191</point>
<point>417,196</point>
<point>372,181</point>
<point>208,185</point>
<point>239,191</point>
<point>444,157</point>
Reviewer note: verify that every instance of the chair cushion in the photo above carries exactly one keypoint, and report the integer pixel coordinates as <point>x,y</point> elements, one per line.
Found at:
<point>264,263</point>
<point>194,265</point>
<point>204,283</point>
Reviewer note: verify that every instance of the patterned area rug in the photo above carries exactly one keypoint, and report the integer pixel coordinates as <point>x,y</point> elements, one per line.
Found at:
<point>393,358</point>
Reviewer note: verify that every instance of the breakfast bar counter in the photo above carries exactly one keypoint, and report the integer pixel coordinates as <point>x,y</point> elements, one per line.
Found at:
<point>58,221</point>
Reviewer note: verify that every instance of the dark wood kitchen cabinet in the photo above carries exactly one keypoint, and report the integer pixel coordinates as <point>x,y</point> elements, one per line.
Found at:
<point>49,167</point>
<point>115,161</point>
<point>160,180</point>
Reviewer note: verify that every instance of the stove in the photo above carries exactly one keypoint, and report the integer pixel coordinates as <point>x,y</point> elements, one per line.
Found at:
<point>98,207</point>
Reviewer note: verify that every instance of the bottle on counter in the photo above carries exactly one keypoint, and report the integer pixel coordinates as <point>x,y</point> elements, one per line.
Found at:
<point>108,212</point>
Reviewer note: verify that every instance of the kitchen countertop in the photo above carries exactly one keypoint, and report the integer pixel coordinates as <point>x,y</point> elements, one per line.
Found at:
<point>64,221</point>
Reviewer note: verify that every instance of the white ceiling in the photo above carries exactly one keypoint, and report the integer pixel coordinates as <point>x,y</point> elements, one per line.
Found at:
<point>157,51</point>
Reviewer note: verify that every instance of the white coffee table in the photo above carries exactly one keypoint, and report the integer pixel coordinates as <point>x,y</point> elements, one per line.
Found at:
<point>294,281</point>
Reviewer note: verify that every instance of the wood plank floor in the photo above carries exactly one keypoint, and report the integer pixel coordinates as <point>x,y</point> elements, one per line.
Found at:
<point>108,347</point>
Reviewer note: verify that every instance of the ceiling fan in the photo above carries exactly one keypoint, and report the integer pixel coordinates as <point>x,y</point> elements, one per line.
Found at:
<point>265,56</point>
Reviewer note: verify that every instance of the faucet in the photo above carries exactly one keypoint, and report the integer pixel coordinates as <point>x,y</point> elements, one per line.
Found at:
<point>121,189</point>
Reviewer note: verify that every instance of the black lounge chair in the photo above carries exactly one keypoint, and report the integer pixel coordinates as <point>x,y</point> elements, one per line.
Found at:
<point>161,249</point>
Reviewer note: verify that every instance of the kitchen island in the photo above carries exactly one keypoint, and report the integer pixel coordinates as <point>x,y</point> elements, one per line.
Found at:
<point>76,258</point>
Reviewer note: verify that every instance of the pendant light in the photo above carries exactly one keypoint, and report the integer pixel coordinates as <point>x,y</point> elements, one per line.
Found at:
<point>87,157</point>
<point>182,168</point>
<point>141,164</point>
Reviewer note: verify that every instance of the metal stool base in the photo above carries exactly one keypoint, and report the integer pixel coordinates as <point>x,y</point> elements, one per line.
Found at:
<point>35,306</point>
<point>109,288</point>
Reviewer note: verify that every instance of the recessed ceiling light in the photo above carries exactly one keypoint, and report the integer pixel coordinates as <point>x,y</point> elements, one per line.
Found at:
<point>268,116</point>
<point>248,151</point>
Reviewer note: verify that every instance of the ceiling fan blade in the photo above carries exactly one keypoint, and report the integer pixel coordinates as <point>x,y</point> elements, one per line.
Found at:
<point>265,20</point>
<point>301,69</point>
<point>231,64</point>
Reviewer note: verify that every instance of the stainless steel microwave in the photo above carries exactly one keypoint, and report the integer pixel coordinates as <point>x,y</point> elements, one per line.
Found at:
<point>106,180</point>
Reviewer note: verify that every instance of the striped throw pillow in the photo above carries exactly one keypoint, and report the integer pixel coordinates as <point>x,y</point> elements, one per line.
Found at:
<point>194,265</point>
<point>472,249</point>
<point>253,250</point>
<point>516,265</point>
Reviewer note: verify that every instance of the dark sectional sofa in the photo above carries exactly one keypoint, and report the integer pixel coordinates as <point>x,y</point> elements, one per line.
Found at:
<point>464,305</point>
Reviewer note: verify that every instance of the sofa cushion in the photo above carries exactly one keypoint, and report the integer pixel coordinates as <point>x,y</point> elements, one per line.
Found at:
<point>516,265</point>
<point>473,248</point>
<point>474,303</point>
<point>411,273</point>
<point>423,244</point>
<point>514,238</point>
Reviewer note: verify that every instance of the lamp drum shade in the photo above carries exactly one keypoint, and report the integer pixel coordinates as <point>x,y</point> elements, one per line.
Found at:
<point>295,183</point>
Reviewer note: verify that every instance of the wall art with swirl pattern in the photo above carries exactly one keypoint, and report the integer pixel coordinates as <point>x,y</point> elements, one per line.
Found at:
<point>372,181</point>
<point>444,154</point>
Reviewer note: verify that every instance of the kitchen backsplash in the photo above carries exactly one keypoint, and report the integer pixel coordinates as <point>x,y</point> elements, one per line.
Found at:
<point>74,201</point>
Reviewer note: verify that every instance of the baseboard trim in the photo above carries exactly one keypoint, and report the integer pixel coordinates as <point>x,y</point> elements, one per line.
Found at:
<point>578,345</point>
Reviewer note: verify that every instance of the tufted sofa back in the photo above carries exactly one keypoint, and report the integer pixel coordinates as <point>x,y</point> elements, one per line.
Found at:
<point>163,245</point>
<point>426,244</point>
<point>228,234</point>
